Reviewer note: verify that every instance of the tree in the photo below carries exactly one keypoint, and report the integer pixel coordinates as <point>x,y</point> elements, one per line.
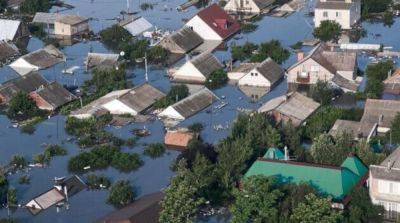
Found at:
<point>21,106</point>
<point>360,208</point>
<point>315,209</point>
<point>18,162</point>
<point>121,194</point>
<point>367,155</point>
<point>272,49</point>
<point>196,127</point>
<point>3,5</point>
<point>3,188</point>
<point>376,74</point>
<point>331,150</point>
<point>175,94</point>
<point>33,6</point>
<point>328,31</point>
<point>12,197</point>
<point>154,150</point>
<point>257,201</point>
<point>374,6</point>
<point>217,79</point>
<point>322,92</point>
<point>243,52</point>
<point>114,36</point>
<point>181,201</point>
<point>395,129</point>
<point>293,195</point>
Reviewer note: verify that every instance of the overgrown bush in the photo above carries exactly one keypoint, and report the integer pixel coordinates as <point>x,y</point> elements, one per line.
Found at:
<point>154,150</point>
<point>121,194</point>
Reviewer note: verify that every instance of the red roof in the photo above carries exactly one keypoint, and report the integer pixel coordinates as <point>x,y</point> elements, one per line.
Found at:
<point>216,18</point>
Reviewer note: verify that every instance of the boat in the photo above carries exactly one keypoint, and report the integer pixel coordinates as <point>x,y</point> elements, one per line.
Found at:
<point>141,132</point>
<point>70,70</point>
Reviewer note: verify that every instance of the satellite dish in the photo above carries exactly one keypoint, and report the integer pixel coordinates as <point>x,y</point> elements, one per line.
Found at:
<point>122,53</point>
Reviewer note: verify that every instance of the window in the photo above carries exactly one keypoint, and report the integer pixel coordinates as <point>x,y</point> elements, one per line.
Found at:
<point>338,14</point>
<point>247,2</point>
<point>325,14</point>
<point>314,68</point>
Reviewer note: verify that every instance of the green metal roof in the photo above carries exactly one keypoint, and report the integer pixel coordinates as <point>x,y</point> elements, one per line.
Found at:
<point>330,181</point>
<point>274,153</point>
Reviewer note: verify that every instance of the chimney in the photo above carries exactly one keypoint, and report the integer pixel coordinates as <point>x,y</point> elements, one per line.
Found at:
<point>389,165</point>
<point>300,55</point>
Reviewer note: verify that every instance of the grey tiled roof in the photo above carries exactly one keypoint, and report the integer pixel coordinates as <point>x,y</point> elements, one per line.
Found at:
<point>206,63</point>
<point>271,70</point>
<point>55,94</point>
<point>186,39</point>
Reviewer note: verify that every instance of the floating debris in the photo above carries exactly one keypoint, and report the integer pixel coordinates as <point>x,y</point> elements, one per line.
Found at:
<point>141,132</point>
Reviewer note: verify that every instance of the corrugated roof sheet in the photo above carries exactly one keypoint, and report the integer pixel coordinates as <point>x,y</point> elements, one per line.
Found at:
<point>71,19</point>
<point>262,4</point>
<point>389,169</point>
<point>332,181</point>
<point>178,139</point>
<point>380,111</point>
<point>356,129</point>
<point>45,18</point>
<point>142,97</point>
<point>333,4</point>
<point>195,102</point>
<point>271,70</point>
<point>55,94</point>
<point>8,29</point>
<point>186,39</point>
<point>345,83</point>
<point>7,51</point>
<point>274,153</point>
<point>206,63</point>
<point>298,106</point>
<point>101,60</point>
<point>136,26</point>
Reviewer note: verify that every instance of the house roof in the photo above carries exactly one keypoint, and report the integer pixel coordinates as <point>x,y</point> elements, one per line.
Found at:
<point>394,78</point>
<point>8,29</point>
<point>55,94</point>
<point>389,169</point>
<point>195,102</point>
<point>136,26</point>
<point>186,39</point>
<point>206,63</point>
<point>141,97</point>
<point>71,19</point>
<point>345,83</point>
<point>14,3</point>
<point>262,4</point>
<point>7,51</point>
<point>271,70</point>
<point>274,153</point>
<point>333,4</point>
<point>333,61</point>
<point>218,20</point>
<point>328,180</point>
<point>356,129</point>
<point>101,60</point>
<point>178,139</point>
<point>272,104</point>
<point>380,111</point>
<point>245,67</point>
<point>26,83</point>
<point>45,18</point>
<point>49,198</point>
<point>145,210</point>
<point>74,185</point>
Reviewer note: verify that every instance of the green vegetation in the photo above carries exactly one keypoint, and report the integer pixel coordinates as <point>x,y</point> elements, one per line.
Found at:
<point>374,6</point>
<point>3,5</point>
<point>146,6</point>
<point>119,39</point>
<point>121,194</point>
<point>322,92</point>
<point>196,127</point>
<point>395,130</point>
<point>96,182</point>
<point>131,141</point>
<point>217,79</point>
<point>8,220</point>
<point>3,188</point>
<point>12,197</point>
<point>376,74</point>
<point>297,45</point>
<point>19,162</point>
<point>154,150</point>
<point>328,31</point>
<point>248,27</point>
<point>24,180</point>
<point>324,118</point>
<point>22,107</point>
<point>361,209</point>
<point>49,152</point>
<point>258,53</point>
<point>315,209</point>
<point>175,94</point>
<point>388,18</point>
<point>33,6</point>
<point>28,129</point>
<point>101,157</point>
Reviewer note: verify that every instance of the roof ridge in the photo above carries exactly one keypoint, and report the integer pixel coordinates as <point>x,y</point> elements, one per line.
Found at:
<point>325,166</point>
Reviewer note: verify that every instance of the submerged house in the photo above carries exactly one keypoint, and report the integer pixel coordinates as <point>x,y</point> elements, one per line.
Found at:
<point>247,6</point>
<point>357,130</point>
<point>392,83</point>
<point>27,83</point>
<point>144,210</point>
<point>238,72</point>
<point>136,25</point>
<point>293,107</point>
<point>8,52</point>
<point>381,113</point>
<point>198,69</point>
<point>71,25</point>
<point>101,61</point>
<point>38,60</point>
<point>213,23</point>
<point>384,185</point>
<point>182,41</point>
<point>51,96</point>
<point>333,181</point>
<point>129,101</point>
<point>189,106</point>
<point>266,74</point>
<point>12,30</point>
<point>61,192</point>
<point>325,64</point>
<point>345,12</point>
<point>178,139</point>
<point>46,19</point>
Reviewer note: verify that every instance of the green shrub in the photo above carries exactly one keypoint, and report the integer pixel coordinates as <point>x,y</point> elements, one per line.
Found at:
<point>154,150</point>
<point>96,182</point>
<point>121,194</point>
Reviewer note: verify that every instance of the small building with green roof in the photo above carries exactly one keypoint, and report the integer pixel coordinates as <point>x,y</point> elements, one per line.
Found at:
<point>332,181</point>
<point>274,153</point>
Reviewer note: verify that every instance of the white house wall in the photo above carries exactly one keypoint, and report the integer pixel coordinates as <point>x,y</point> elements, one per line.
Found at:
<point>171,113</point>
<point>202,29</point>
<point>118,108</point>
<point>256,80</point>
<point>343,17</point>
<point>189,72</point>
<point>307,66</point>
<point>248,6</point>
<point>23,67</point>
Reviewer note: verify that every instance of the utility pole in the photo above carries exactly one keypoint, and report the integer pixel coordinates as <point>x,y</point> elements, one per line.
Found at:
<point>145,67</point>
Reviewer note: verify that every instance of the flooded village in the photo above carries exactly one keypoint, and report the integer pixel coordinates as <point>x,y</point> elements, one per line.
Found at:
<point>199,111</point>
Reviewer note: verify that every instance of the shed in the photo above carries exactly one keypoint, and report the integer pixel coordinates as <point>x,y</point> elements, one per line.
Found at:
<point>189,106</point>
<point>178,139</point>
<point>71,25</point>
<point>38,60</point>
<point>182,41</point>
<point>45,18</point>
<point>101,61</point>
<point>51,96</point>
<point>357,130</point>
<point>198,69</point>
<point>380,112</point>
<point>392,83</point>
<point>136,25</point>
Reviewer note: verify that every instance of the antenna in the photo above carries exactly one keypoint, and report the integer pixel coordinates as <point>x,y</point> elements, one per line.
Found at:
<point>145,67</point>
<point>127,6</point>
